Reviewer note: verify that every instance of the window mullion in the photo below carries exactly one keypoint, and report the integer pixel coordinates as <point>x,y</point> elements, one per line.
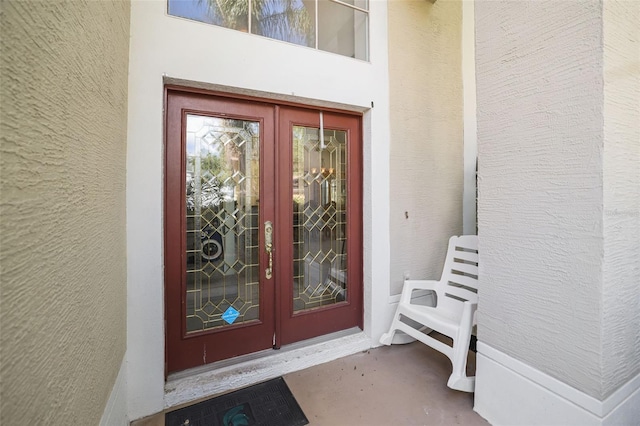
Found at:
<point>350,6</point>
<point>317,29</point>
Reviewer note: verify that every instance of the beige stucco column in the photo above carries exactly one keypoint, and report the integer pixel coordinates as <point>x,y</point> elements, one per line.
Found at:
<point>558,85</point>
<point>63,281</point>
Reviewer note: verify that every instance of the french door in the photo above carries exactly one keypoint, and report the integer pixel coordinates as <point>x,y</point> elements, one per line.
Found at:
<point>263,226</point>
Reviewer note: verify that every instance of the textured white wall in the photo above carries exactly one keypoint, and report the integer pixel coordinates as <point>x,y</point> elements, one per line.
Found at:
<point>164,46</point>
<point>470,122</point>
<point>62,202</point>
<point>425,82</point>
<point>540,143</point>
<point>621,307</point>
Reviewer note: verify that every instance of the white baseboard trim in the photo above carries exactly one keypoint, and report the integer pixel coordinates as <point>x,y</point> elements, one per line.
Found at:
<point>115,412</point>
<point>626,413</point>
<point>510,392</point>
<point>191,388</point>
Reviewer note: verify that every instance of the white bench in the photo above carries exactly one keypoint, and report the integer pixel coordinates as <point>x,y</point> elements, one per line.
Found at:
<point>454,312</point>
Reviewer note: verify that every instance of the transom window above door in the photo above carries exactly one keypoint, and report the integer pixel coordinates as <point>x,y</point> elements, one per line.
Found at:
<point>335,26</point>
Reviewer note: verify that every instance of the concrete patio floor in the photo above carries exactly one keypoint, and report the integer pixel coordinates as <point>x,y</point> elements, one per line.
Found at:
<point>389,385</point>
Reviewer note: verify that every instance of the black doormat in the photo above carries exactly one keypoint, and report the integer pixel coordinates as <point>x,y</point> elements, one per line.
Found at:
<point>265,404</point>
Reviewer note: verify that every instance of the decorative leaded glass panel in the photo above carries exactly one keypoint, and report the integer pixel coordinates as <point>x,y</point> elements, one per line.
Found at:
<point>319,217</point>
<point>222,190</point>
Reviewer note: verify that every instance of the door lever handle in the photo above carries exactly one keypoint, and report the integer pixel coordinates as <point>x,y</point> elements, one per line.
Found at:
<point>268,244</point>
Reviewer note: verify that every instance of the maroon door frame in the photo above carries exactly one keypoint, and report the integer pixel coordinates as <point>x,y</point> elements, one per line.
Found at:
<point>183,351</point>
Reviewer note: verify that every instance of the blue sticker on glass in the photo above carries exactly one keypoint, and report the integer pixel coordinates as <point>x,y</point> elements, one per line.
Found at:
<point>230,315</point>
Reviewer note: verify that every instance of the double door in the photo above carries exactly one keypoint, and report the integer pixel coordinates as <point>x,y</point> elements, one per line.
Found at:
<point>263,226</point>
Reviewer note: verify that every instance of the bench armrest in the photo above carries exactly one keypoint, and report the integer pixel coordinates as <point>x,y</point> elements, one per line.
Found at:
<point>411,285</point>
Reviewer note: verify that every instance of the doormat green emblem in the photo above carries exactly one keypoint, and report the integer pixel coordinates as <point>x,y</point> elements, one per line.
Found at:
<point>238,416</point>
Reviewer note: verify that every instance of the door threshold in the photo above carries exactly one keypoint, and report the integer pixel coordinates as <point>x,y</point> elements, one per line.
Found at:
<point>188,386</point>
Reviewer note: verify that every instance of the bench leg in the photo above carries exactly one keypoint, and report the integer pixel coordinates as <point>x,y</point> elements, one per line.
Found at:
<point>458,379</point>
<point>387,338</point>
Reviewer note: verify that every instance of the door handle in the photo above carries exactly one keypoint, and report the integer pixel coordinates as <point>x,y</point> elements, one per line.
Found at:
<point>268,244</point>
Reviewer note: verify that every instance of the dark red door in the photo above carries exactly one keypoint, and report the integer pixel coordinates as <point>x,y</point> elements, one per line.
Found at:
<point>319,220</point>
<point>263,229</point>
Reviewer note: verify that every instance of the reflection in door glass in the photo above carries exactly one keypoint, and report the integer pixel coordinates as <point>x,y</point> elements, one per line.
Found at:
<point>319,218</point>
<point>222,189</point>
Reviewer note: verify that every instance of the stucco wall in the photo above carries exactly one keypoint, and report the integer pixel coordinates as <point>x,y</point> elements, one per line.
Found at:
<point>540,144</point>
<point>469,222</point>
<point>426,121</point>
<point>62,161</point>
<point>621,294</point>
